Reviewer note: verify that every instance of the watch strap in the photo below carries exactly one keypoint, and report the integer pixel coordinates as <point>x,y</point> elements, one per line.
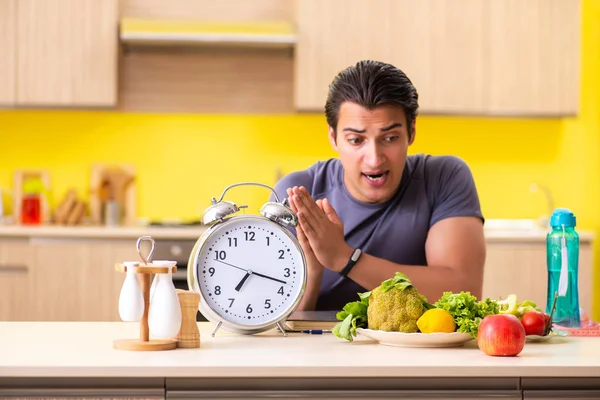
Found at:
<point>351,262</point>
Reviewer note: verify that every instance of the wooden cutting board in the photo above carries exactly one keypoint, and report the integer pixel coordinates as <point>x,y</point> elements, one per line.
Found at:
<point>101,173</point>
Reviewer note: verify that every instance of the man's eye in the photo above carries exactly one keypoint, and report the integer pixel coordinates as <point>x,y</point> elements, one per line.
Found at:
<point>354,140</point>
<point>391,138</point>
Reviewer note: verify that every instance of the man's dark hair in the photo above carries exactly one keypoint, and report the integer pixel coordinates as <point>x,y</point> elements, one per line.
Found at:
<point>371,84</point>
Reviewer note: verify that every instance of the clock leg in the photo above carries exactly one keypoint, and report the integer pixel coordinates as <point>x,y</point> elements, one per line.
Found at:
<point>281,328</point>
<point>216,328</point>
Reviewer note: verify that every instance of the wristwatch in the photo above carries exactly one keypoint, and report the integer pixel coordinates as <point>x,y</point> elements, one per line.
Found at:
<point>351,262</point>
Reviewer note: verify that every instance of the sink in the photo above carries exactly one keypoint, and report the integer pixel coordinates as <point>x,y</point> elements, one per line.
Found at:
<point>514,224</point>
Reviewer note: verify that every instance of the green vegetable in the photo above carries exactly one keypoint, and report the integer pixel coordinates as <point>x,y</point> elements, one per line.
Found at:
<point>353,315</point>
<point>526,306</point>
<point>466,310</point>
<point>510,305</point>
<point>395,305</point>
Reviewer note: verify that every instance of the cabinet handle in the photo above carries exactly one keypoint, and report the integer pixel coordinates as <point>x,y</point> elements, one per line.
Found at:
<point>8,269</point>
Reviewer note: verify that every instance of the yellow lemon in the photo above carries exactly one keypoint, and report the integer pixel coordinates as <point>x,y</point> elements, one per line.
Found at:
<point>436,320</point>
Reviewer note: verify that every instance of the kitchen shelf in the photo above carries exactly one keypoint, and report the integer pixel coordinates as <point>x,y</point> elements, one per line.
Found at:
<point>148,32</point>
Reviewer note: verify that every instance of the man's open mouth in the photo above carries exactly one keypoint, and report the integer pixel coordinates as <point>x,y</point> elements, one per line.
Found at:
<point>376,177</point>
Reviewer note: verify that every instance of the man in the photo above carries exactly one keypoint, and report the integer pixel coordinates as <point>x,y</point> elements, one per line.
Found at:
<point>375,210</point>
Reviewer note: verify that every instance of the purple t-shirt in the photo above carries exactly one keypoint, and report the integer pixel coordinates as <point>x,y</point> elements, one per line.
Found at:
<point>432,188</point>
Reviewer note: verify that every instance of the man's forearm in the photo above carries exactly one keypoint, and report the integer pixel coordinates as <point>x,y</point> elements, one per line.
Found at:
<point>311,292</point>
<point>431,281</point>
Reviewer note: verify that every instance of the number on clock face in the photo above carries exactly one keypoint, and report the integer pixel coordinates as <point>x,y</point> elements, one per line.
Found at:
<point>250,271</point>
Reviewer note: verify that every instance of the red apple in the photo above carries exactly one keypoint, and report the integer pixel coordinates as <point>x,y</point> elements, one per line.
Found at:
<point>535,322</point>
<point>501,335</point>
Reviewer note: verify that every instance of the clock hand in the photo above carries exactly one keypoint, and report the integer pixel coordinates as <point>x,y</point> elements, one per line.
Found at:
<point>269,277</point>
<point>231,265</point>
<point>239,285</point>
<point>254,273</point>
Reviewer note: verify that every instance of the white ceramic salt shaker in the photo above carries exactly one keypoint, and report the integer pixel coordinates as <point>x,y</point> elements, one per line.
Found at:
<point>131,298</point>
<point>164,316</point>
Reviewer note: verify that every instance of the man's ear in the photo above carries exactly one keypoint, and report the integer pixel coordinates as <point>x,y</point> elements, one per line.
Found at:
<point>332,138</point>
<point>413,132</point>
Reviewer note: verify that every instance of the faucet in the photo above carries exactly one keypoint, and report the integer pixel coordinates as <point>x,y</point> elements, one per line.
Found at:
<point>544,221</point>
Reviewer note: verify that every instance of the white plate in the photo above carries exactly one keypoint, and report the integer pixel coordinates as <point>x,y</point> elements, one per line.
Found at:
<point>417,339</point>
<point>537,338</point>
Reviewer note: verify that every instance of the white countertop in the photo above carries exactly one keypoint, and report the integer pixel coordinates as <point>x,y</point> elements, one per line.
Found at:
<point>194,232</point>
<point>73,349</point>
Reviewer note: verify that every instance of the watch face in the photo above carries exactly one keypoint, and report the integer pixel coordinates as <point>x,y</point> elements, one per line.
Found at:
<point>250,271</point>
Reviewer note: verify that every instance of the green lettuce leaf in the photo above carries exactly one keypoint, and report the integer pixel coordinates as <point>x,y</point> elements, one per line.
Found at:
<point>466,310</point>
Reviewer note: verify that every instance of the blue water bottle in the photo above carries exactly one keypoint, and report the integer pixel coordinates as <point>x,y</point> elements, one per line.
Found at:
<point>562,257</point>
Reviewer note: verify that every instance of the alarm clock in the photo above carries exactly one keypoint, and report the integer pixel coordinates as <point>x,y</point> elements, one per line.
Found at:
<point>249,270</point>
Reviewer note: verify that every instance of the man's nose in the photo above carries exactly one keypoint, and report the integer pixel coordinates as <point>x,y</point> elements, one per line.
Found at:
<point>374,156</point>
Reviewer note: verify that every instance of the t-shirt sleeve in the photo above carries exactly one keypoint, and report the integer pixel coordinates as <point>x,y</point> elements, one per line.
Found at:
<point>298,178</point>
<point>452,191</point>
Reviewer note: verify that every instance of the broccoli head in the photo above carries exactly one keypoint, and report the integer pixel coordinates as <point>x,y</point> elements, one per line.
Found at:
<point>396,305</point>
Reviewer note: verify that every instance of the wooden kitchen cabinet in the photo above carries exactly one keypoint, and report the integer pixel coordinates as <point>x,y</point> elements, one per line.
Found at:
<point>534,57</point>
<point>519,267</point>
<point>478,57</point>
<point>561,394</point>
<point>8,60</point>
<point>363,395</point>
<point>75,279</point>
<point>67,53</point>
<point>16,270</point>
<point>73,395</point>
<point>322,51</point>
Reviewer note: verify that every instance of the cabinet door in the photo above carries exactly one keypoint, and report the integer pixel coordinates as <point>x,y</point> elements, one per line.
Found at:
<point>516,267</point>
<point>439,44</point>
<point>15,273</point>
<point>67,52</point>
<point>561,394</point>
<point>477,57</point>
<point>86,394</point>
<point>520,268</point>
<point>457,59</point>
<point>67,396</point>
<point>334,34</point>
<point>8,39</point>
<point>75,279</point>
<point>534,52</point>
<point>352,395</point>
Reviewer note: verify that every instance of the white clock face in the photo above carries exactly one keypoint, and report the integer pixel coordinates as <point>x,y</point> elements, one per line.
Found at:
<point>250,271</point>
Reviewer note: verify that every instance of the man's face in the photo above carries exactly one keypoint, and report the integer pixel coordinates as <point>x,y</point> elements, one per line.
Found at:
<point>372,146</point>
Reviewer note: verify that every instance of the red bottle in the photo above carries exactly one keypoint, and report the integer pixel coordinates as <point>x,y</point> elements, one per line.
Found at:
<point>31,210</point>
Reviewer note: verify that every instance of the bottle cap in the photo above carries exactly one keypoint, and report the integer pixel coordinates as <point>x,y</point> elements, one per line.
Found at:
<point>563,216</point>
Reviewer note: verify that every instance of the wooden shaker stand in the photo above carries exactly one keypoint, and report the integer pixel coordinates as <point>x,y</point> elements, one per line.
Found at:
<point>144,343</point>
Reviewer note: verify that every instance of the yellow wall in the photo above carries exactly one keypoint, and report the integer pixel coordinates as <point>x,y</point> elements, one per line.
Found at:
<point>184,160</point>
